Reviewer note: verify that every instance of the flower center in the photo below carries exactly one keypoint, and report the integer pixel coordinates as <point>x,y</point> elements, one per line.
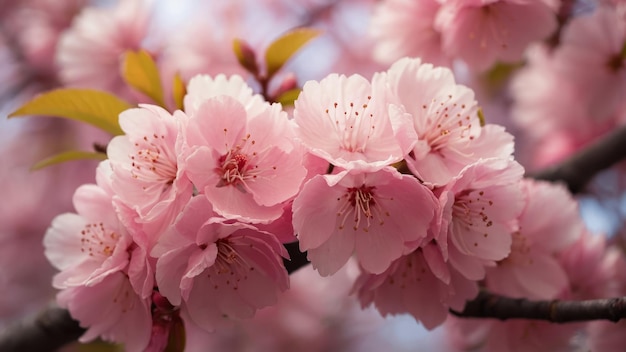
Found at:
<point>237,167</point>
<point>354,125</point>
<point>447,125</point>
<point>98,241</point>
<point>470,210</point>
<point>361,204</point>
<point>229,267</point>
<point>153,161</point>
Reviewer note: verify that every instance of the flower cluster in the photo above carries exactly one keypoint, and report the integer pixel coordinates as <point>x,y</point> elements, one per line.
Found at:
<point>188,215</point>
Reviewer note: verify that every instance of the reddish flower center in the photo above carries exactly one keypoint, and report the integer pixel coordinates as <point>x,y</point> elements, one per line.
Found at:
<point>360,202</point>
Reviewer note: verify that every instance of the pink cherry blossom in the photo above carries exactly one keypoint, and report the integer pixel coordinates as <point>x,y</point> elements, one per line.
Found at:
<point>89,53</point>
<point>590,267</point>
<point>110,310</point>
<point>510,336</point>
<point>372,214</point>
<point>202,44</point>
<point>218,271</point>
<point>146,176</point>
<point>203,87</point>
<point>604,335</point>
<point>480,211</point>
<point>244,162</point>
<point>445,118</point>
<point>90,245</point>
<point>481,32</point>
<point>346,121</point>
<point>591,53</point>
<point>550,222</point>
<point>407,28</point>
<point>410,286</point>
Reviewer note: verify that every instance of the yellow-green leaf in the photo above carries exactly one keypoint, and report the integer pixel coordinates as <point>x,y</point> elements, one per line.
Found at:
<point>69,155</point>
<point>179,90</point>
<point>245,56</point>
<point>98,108</point>
<point>140,72</point>
<point>287,98</point>
<point>283,48</point>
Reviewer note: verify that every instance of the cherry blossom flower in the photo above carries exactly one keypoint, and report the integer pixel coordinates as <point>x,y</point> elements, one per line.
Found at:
<point>89,53</point>
<point>218,270</point>
<point>481,32</point>
<point>410,286</point>
<point>203,87</point>
<point>591,53</point>
<point>407,28</point>
<point>92,244</point>
<point>372,214</point>
<point>110,310</point>
<point>550,222</point>
<point>445,118</point>
<point>479,213</point>
<point>243,158</point>
<point>146,177</point>
<point>518,335</point>
<point>346,121</point>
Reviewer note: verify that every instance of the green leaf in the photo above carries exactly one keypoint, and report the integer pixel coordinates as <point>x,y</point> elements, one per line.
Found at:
<point>283,48</point>
<point>287,98</point>
<point>178,91</point>
<point>245,56</point>
<point>98,108</point>
<point>69,155</point>
<point>140,72</point>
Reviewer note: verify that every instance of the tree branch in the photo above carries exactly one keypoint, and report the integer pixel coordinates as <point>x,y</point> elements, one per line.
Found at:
<point>578,169</point>
<point>488,305</point>
<point>47,332</point>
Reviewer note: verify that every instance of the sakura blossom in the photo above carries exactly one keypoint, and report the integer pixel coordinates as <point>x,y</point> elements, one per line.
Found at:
<point>145,173</point>
<point>515,336</point>
<point>586,68</point>
<point>480,212</point>
<point>484,32</point>
<point>407,28</point>
<point>596,43</point>
<point>445,118</point>
<point>85,63</point>
<point>532,268</point>
<point>374,215</point>
<point>91,244</point>
<point>216,270</point>
<point>242,157</point>
<point>346,121</point>
<point>411,286</point>
<point>110,310</point>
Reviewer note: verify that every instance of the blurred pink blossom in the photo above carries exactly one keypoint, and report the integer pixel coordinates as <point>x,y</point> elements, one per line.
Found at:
<point>482,32</point>
<point>550,223</point>
<point>90,53</point>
